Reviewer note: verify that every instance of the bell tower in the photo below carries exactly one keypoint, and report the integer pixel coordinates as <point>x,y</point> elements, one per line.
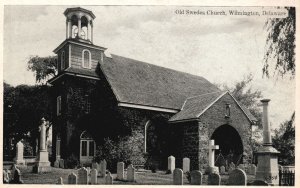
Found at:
<point>79,24</point>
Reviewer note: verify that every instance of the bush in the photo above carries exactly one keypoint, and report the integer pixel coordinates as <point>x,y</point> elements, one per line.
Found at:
<point>71,162</point>
<point>127,149</point>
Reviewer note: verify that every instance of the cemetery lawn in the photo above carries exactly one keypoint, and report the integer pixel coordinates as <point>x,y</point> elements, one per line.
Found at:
<point>143,177</point>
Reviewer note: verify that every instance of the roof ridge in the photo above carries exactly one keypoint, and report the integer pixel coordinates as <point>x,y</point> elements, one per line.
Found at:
<point>160,66</point>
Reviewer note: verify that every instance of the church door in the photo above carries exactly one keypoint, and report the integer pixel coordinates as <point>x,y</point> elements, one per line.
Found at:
<point>87,148</point>
<point>230,146</point>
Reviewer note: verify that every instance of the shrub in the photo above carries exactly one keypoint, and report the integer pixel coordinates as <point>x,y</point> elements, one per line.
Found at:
<point>71,162</point>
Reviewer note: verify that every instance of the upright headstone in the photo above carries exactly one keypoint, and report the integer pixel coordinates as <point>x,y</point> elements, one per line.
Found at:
<point>94,176</point>
<point>241,166</point>
<point>108,179</point>
<point>130,173</point>
<point>177,176</point>
<point>196,177</point>
<point>88,170</point>
<point>95,165</point>
<point>6,178</point>
<point>222,169</point>
<point>43,164</point>
<point>120,171</point>
<point>231,167</point>
<point>61,163</point>
<point>17,177</point>
<point>211,158</point>
<point>72,178</point>
<point>186,164</point>
<point>60,181</point>
<point>237,177</point>
<point>56,164</point>
<point>267,155</point>
<point>252,169</point>
<point>103,166</point>
<point>214,179</point>
<point>83,176</point>
<point>171,163</point>
<point>19,154</point>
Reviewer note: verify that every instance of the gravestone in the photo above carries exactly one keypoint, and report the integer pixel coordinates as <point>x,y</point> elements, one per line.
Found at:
<point>120,171</point>
<point>13,169</point>
<point>56,164</point>
<point>6,178</point>
<point>61,163</point>
<point>171,163</point>
<point>60,181</point>
<point>214,179</point>
<point>231,167</point>
<point>83,176</point>
<point>237,177</point>
<point>211,158</point>
<point>43,164</point>
<point>177,176</point>
<point>17,177</point>
<point>19,154</point>
<point>241,166</point>
<point>196,177</point>
<point>222,169</point>
<point>103,166</point>
<point>186,164</point>
<point>95,165</point>
<point>108,179</point>
<point>252,169</point>
<point>94,176</point>
<point>72,178</point>
<point>130,173</point>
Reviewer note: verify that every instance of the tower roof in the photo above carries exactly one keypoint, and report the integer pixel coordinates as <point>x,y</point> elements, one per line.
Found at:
<point>68,10</point>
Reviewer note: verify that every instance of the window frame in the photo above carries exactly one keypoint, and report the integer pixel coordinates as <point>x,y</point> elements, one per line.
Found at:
<point>58,106</point>
<point>90,59</point>
<point>63,60</point>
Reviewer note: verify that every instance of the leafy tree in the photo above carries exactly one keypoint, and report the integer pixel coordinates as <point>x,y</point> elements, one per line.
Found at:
<point>280,44</point>
<point>24,107</point>
<point>284,141</point>
<point>43,67</point>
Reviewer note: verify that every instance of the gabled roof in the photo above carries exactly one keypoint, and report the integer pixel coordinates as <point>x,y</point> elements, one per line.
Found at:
<point>137,82</point>
<point>194,107</point>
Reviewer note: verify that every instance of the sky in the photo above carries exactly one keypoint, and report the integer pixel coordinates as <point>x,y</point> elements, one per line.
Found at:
<point>222,49</point>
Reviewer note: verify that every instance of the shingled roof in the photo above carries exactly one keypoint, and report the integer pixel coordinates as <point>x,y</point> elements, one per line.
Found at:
<point>137,82</point>
<point>194,107</point>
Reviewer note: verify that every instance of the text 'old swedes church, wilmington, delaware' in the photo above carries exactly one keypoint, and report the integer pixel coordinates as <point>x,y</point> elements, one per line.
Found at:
<point>175,113</point>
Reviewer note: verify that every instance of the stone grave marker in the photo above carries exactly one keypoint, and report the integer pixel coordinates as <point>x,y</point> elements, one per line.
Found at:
<point>88,170</point>
<point>196,177</point>
<point>171,163</point>
<point>241,166</point>
<point>211,157</point>
<point>13,169</point>
<point>56,164</point>
<point>17,177</point>
<point>186,164</point>
<point>72,178</point>
<point>83,176</point>
<point>231,167</point>
<point>103,166</point>
<point>120,171</point>
<point>61,163</point>
<point>95,165</point>
<point>214,179</point>
<point>237,177</point>
<point>252,169</point>
<point>108,179</point>
<point>130,173</point>
<point>6,178</point>
<point>19,154</point>
<point>60,181</point>
<point>94,175</point>
<point>222,169</point>
<point>178,176</point>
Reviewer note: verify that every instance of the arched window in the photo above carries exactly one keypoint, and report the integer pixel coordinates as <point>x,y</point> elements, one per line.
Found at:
<point>86,59</point>
<point>62,60</point>
<point>145,136</point>
<point>87,147</point>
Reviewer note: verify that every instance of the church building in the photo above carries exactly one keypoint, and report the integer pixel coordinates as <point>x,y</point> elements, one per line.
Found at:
<point>174,113</point>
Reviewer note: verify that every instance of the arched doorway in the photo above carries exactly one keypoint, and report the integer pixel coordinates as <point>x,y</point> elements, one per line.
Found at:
<point>230,146</point>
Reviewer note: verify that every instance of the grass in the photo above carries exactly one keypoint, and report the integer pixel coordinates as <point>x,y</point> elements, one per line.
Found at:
<point>142,177</point>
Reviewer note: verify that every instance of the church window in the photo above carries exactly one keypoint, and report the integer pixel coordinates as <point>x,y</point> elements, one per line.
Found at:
<point>145,136</point>
<point>62,60</point>
<point>58,105</point>
<point>87,147</point>
<point>87,104</point>
<point>86,59</point>
<point>227,110</point>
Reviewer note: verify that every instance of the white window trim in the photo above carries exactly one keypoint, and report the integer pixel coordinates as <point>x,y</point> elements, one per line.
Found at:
<point>90,59</point>
<point>63,60</point>
<point>58,105</point>
<point>145,136</point>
